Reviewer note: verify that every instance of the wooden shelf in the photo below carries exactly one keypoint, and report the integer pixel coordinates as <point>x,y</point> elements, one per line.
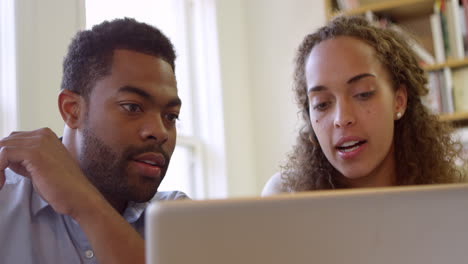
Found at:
<point>449,63</point>
<point>454,117</point>
<point>397,9</point>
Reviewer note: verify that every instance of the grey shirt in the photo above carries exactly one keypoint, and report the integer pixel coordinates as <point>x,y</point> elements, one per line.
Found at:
<point>32,232</point>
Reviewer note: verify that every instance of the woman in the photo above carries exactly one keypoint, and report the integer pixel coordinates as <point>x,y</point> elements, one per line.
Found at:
<point>359,90</point>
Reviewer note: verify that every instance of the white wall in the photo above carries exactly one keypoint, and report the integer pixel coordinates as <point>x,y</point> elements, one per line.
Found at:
<point>258,39</point>
<point>238,118</point>
<point>44,30</point>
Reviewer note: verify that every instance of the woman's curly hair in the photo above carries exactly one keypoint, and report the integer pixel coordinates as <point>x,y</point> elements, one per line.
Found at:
<point>425,152</point>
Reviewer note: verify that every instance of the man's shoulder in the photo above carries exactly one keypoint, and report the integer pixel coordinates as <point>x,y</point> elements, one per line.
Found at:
<point>170,195</point>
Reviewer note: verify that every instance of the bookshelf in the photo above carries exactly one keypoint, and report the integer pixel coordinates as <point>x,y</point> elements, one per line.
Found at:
<point>449,63</point>
<point>454,117</point>
<point>413,16</point>
<point>399,9</point>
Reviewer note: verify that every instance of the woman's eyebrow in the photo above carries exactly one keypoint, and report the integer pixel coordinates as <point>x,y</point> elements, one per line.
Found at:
<point>356,78</point>
<point>317,88</point>
<point>359,76</point>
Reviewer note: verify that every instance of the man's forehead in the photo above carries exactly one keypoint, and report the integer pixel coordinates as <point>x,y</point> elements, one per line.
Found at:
<point>139,62</point>
<point>147,74</point>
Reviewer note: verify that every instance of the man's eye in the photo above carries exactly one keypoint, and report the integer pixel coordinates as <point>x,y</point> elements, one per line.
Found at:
<point>365,96</point>
<point>321,106</point>
<point>132,108</point>
<point>172,117</point>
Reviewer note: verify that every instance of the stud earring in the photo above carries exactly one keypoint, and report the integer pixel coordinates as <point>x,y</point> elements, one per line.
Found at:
<point>398,115</point>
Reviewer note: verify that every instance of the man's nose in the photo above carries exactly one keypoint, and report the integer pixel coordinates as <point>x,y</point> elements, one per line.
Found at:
<point>154,128</point>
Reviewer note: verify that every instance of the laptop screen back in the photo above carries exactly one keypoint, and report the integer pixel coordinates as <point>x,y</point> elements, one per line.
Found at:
<point>418,225</point>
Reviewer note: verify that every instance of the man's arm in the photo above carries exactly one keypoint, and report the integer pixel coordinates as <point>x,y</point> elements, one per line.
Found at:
<point>56,176</point>
<point>111,237</point>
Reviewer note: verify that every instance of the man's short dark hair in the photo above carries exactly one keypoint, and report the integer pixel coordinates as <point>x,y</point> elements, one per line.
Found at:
<point>90,53</point>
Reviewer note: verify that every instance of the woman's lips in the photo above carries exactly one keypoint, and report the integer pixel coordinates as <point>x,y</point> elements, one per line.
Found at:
<point>351,150</point>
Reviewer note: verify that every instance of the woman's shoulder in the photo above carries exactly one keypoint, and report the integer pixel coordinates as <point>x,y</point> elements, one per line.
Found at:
<point>275,185</point>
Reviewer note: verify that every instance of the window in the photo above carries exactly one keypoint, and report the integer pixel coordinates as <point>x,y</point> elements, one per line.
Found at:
<point>197,165</point>
<point>8,106</point>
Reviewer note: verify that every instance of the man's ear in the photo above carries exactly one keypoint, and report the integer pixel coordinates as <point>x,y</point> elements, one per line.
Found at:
<point>401,100</point>
<point>71,106</point>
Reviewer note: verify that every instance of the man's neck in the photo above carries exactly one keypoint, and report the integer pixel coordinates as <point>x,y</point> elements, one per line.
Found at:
<point>119,204</point>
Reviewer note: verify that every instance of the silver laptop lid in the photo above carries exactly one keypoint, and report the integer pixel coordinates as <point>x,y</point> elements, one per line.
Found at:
<point>418,225</point>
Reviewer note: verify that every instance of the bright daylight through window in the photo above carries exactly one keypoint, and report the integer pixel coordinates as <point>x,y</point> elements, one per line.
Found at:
<point>8,106</point>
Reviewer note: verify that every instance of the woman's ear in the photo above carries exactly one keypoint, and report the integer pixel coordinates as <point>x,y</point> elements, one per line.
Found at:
<point>401,100</point>
<point>71,106</point>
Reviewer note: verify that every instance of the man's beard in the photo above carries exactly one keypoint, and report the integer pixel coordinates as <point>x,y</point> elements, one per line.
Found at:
<point>108,170</point>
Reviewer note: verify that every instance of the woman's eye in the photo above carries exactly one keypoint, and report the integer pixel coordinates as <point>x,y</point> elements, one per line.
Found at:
<point>321,106</point>
<point>364,96</point>
<point>132,108</point>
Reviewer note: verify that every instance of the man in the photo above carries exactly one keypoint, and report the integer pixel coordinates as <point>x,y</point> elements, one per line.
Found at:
<point>81,199</point>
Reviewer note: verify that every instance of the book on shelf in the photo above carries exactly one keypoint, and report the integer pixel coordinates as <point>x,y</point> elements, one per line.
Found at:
<point>433,99</point>
<point>461,135</point>
<point>347,4</point>
<point>440,97</point>
<point>446,90</point>
<point>371,17</point>
<point>454,23</point>
<point>440,8</point>
<point>460,89</point>
<point>437,38</point>
<point>449,26</point>
<point>464,17</point>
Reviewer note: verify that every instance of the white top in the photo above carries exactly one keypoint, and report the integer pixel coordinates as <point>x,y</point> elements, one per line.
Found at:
<point>274,186</point>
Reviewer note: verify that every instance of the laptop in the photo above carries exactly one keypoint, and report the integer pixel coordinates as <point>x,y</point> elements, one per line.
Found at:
<point>415,224</point>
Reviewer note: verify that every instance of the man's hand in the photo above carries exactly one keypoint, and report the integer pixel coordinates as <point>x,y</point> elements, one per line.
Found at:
<point>56,176</point>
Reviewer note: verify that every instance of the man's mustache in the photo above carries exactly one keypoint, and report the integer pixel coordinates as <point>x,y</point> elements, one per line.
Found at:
<point>132,152</point>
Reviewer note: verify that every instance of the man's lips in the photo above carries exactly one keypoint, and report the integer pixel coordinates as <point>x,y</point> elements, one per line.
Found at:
<point>151,158</point>
<point>150,164</point>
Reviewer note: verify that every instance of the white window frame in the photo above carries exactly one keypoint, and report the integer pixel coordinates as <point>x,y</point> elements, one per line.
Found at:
<point>8,90</point>
<point>208,105</point>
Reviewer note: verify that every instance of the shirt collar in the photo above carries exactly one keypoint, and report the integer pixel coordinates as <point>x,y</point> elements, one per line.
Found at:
<point>134,211</point>
<point>37,203</point>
